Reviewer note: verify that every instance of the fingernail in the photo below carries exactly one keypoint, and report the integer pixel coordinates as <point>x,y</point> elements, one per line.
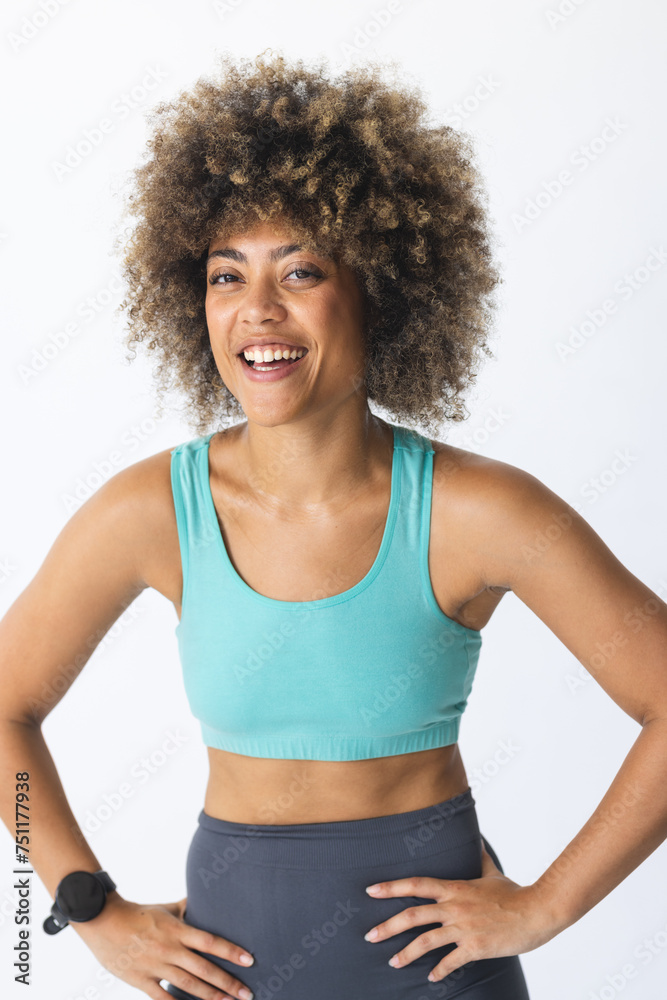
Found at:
<point>246,994</point>
<point>247,959</point>
<point>373,888</point>
<point>371,935</point>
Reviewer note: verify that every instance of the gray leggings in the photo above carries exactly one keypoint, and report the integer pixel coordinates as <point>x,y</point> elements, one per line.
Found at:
<point>294,896</point>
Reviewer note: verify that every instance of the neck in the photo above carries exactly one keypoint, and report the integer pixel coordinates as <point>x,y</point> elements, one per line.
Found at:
<point>314,461</point>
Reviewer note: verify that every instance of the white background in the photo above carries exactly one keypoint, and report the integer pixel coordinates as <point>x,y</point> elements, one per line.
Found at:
<point>552,82</point>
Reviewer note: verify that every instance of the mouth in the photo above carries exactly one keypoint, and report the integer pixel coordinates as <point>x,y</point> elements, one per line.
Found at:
<point>268,366</point>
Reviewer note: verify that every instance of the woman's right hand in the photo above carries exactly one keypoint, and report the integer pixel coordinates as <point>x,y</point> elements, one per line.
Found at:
<point>143,944</point>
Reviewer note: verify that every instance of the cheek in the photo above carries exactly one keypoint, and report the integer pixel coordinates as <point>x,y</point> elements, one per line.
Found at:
<point>208,312</point>
<point>215,307</point>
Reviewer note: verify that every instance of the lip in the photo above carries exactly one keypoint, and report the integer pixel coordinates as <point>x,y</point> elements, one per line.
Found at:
<point>273,376</point>
<point>265,342</point>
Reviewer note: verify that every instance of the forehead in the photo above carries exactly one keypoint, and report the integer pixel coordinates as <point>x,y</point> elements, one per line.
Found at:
<point>259,236</point>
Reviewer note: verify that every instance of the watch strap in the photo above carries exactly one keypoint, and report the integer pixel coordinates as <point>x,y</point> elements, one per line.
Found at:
<point>106,880</point>
<point>57,921</point>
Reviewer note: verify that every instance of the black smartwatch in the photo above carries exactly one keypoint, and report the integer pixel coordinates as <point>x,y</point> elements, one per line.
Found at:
<point>80,896</point>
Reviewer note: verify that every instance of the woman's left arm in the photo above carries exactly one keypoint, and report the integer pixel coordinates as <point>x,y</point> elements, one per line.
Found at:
<point>554,562</point>
<point>524,538</point>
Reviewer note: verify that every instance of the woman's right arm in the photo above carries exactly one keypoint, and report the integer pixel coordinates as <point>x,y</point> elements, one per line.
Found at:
<point>95,568</point>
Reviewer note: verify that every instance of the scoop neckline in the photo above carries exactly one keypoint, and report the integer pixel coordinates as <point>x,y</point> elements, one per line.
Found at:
<point>323,602</point>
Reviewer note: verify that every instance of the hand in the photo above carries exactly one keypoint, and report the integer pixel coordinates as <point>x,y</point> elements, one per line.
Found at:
<point>487,917</point>
<point>143,944</point>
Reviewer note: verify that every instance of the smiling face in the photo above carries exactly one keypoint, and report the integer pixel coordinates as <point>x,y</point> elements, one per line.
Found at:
<point>263,292</point>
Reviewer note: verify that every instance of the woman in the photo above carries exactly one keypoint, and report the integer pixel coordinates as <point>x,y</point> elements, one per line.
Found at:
<point>304,247</point>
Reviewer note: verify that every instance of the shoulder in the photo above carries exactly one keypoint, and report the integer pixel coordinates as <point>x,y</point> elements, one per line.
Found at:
<point>136,506</point>
<point>140,484</point>
<point>477,478</point>
<point>497,512</point>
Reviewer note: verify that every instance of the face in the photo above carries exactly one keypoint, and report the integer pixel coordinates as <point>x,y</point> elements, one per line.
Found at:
<point>263,291</point>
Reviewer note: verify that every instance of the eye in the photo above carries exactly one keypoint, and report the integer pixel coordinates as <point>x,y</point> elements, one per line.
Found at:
<point>213,280</point>
<point>303,270</point>
<point>304,275</point>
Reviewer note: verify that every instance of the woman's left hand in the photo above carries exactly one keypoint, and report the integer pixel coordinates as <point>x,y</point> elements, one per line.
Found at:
<point>487,917</point>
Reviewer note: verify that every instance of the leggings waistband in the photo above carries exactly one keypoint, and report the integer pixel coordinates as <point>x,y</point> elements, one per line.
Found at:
<point>349,843</point>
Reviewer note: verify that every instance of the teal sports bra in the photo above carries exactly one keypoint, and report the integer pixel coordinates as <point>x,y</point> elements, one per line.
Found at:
<point>374,671</point>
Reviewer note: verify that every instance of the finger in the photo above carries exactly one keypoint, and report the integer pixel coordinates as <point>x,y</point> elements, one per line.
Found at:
<point>202,989</point>
<point>416,885</point>
<point>413,916</point>
<point>437,937</point>
<point>208,971</point>
<point>208,977</point>
<point>456,959</point>
<point>206,941</point>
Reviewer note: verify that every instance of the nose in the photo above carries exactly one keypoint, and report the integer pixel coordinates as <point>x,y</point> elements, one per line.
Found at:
<point>261,301</point>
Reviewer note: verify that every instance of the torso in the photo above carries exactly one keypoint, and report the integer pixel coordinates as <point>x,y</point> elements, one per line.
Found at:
<point>260,790</point>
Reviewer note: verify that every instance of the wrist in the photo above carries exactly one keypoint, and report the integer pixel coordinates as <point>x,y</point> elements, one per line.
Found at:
<point>113,904</point>
<point>553,915</point>
<point>80,897</point>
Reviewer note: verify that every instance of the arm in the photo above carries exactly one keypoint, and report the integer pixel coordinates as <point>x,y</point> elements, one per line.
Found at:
<point>617,628</point>
<point>46,638</point>
<point>513,533</point>
<point>97,566</point>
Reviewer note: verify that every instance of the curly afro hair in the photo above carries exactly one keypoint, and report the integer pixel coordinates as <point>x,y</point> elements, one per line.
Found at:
<point>354,170</point>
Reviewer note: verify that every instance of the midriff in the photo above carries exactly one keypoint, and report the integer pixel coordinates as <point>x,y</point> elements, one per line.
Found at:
<point>259,790</point>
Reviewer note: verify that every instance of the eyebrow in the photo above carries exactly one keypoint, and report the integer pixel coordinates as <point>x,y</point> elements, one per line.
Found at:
<point>236,255</point>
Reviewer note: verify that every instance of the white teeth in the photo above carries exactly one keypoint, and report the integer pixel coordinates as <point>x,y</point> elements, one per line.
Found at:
<point>270,355</point>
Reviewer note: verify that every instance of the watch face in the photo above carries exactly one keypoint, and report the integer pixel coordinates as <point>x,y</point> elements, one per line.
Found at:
<point>80,896</point>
